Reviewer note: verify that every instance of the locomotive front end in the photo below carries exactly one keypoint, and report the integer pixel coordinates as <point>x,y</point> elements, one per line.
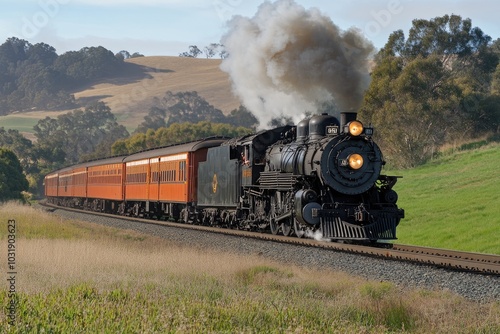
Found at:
<point>342,193</point>
<point>357,202</point>
<point>350,162</point>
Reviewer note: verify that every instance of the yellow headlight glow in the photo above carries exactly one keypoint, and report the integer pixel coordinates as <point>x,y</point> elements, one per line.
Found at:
<point>355,161</point>
<point>355,128</point>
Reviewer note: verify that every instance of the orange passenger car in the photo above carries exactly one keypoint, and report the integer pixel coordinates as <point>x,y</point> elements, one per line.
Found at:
<point>105,179</point>
<point>169,178</point>
<point>165,176</point>
<point>50,183</point>
<point>72,182</point>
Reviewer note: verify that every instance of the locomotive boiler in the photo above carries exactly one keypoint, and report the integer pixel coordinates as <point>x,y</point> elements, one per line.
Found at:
<point>324,175</point>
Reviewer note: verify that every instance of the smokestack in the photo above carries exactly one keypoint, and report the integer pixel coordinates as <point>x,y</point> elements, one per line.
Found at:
<point>286,60</point>
<point>346,117</point>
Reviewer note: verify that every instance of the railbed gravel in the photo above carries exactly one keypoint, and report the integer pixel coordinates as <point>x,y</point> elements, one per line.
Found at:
<point>477,287</point>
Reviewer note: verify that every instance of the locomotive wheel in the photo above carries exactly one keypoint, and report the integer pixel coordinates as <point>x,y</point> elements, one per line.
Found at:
<point>233,222</point>
<point>185,216</point>
<point>273,225</point>
<point>286,227</point>
<point>272,216</point>
<point>298,230</point>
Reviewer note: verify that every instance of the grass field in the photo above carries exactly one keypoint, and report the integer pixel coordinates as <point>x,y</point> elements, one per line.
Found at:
<point>453,201</point>
<point>76,277</point>
<point>22,124</point>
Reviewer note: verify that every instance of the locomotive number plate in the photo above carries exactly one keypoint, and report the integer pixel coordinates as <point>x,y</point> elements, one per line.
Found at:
<point>332,130</point>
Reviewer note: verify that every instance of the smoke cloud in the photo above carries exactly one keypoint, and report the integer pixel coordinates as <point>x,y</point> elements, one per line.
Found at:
<point>286,60</point>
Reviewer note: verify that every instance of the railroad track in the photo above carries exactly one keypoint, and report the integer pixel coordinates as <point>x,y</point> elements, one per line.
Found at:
<point>456,260</point>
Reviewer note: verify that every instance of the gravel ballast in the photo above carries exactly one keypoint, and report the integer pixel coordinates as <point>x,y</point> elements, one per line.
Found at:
<point>476,287</point>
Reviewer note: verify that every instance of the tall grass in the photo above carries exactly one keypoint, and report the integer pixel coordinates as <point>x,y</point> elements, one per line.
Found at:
<point>96,279</point>
<point>453,201</point>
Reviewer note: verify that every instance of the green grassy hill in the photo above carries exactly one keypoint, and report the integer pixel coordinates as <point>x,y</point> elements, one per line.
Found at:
<point>453,202</point>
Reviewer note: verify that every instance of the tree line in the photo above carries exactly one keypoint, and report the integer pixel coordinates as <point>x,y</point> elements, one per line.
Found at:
<point>68,139</point>
<point>176,133</point>
<point>210,51</point>
<point>93,133</point>
<point>35,77</point>
<point>190,107</point>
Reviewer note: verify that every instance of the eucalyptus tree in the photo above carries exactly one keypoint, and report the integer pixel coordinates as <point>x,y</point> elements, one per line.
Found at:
<point>430,88</point>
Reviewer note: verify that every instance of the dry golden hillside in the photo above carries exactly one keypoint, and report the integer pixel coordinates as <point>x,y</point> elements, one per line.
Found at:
<point>130,94</point>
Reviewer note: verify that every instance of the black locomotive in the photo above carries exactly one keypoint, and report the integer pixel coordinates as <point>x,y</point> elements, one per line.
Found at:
<point>321,176</point>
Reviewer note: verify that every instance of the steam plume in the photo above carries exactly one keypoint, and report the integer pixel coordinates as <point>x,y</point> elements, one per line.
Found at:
<point>287,60</point>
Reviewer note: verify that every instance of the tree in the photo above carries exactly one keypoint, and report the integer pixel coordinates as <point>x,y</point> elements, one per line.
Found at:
<point>415,110</point>
<point>193,52</point>
<point>430,88</point>
<point>88,64</point>
<point>41,53</point>
<point>223,54</point>
<point>17,143</point>
<point>73,136</point>
<point>495,81</point>
<point>14,50</point>
<point>155,119</point>
<point>123,55</point>
<point>23,148</point>
<point>136,55</point>
<point>211,50</point>
<point>242,117</point>
<point>12,179</point>
<point>494,100</point>
<point>27,77</point>
<point>49,149</point>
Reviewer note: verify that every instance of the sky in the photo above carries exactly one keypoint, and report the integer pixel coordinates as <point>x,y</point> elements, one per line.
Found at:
<point>169,27</point>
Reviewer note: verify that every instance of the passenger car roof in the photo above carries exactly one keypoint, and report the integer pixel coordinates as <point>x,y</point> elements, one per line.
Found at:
<point>175,149</point>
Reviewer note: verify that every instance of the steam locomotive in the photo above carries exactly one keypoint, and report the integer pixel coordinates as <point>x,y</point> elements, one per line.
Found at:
<point>321,176</point>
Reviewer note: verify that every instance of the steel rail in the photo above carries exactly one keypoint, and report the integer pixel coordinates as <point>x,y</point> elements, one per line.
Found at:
<point>456,260</point>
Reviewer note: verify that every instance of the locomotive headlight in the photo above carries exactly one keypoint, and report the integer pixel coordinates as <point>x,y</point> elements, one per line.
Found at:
<point>355,128</point>
<point>355,161</point>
